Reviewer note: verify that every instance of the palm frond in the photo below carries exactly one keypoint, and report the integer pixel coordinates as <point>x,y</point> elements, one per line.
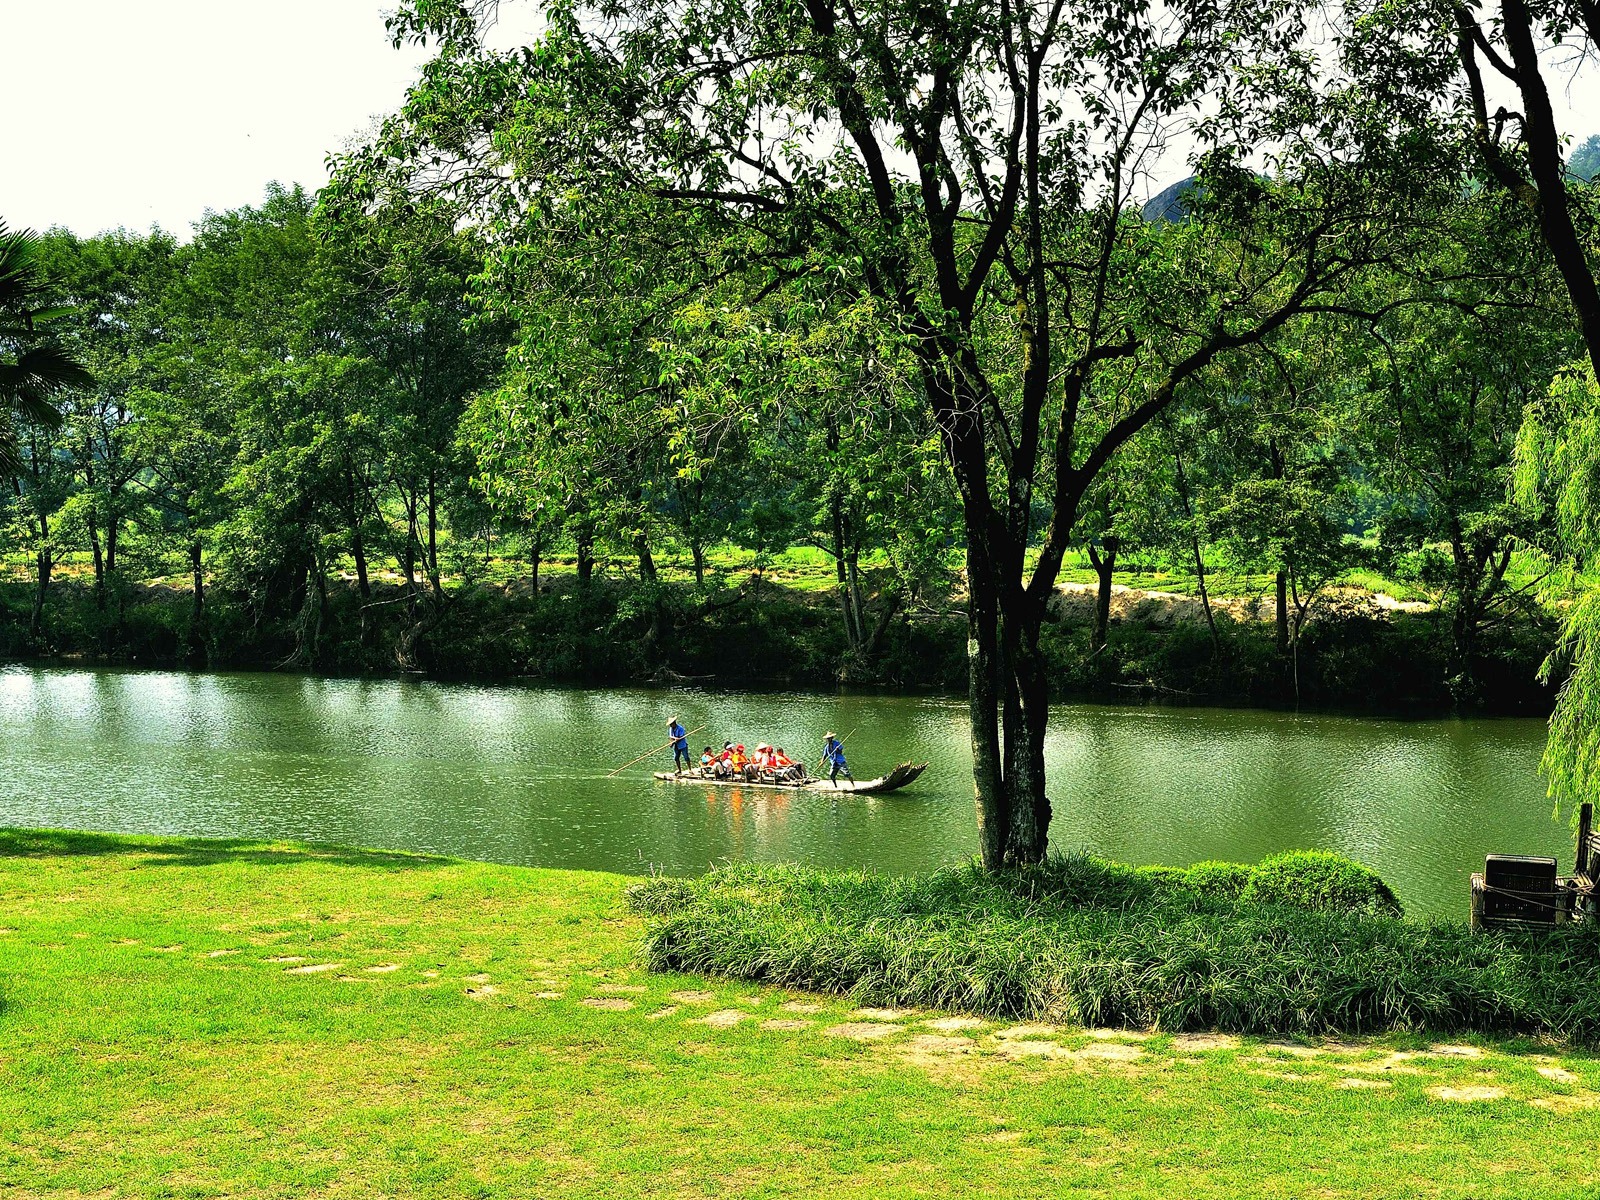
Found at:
<point>11,463</point>
<point>20,278</point>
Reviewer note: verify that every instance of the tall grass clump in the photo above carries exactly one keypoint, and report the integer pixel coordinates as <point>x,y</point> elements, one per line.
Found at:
<point>1296,945</point>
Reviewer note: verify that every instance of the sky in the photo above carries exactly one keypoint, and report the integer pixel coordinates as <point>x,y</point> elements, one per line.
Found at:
<point>149,112</point>
<point>140,112</point>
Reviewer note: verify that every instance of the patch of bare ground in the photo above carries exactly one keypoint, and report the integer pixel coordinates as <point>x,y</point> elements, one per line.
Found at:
<point>287,958</point>
<point>723,1018</point>
<point>1199,1043</point>
<point>694,997</point>
<point>662,1012</point>
<point>221,953</point>
<point>482,991</point>
<point>785,1025</point>
<point>1019,1032</point>
<point>953,1024</point>
<point>1457,1051</point>
<point>1557,1074</point>
<point>862,1031</point>
<point>313,969</point>
<point>1116,1035</point>
<point>547,995</point>
<point>1470,1094</point>
<point>1029,1048</point>
<point>1577,1102</point>
<point>801,1006</point>
<point>608,1003</point>
<point>622,989</point>
<point>1109,1052</point>
<point>1296,1049</point>
<point>1354,1083</point>
<point>881,1014</point>
<point>1397,1063</point>
<point>381,968</point>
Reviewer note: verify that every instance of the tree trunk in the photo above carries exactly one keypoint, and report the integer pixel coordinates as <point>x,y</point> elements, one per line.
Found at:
<point>585,540</point>
<point>1545,161</point>
<point>535,553</point>
<point>1105,564</point>
<point>197,608</point>
<point>409,566</point>
<point>698,552</point>
<point>358,551</point>
<point>43,563</point>
<point>433,533</point>
<point>1027,713</point>
<point>841,566</point>
<point>1281,585</point>
<point>983,706</point>
<point>99,562</point>
<point>857,609</point>
<point>647,561</point>
<point>1194,543</point>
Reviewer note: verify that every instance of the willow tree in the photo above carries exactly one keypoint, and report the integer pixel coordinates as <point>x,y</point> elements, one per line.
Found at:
<point>971,165</point>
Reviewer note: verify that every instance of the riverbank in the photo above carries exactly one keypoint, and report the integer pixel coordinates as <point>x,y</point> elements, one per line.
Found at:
<point>1360,652</point>
<point>270,1020</point>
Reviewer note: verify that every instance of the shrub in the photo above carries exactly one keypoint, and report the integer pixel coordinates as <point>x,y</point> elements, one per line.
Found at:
<point>1221,881</point>
<point>1319,882</point>
<point>1086,941</point>
<point>659,895</point>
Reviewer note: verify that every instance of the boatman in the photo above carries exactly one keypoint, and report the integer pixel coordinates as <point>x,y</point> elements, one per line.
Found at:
<point>833,758</point>
<point>680,746</point>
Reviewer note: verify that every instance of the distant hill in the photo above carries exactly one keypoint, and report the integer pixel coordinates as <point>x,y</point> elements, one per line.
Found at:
<point>1172,204</point>
<point>1585,160</point>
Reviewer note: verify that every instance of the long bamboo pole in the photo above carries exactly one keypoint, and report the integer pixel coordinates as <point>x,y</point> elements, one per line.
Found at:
<point>653,750</point>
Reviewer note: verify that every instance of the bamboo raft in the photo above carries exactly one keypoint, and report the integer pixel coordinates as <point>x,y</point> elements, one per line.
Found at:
<point>893,781</point>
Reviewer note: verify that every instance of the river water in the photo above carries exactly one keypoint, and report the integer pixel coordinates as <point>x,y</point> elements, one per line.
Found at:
<point>519,775</point>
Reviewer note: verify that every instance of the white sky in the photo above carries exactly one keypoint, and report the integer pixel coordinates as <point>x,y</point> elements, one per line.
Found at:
<point>141,112</point>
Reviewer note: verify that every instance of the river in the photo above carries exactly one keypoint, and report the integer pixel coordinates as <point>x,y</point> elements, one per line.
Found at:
<point>518,775</point>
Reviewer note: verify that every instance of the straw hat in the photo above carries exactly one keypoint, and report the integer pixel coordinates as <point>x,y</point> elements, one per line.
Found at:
<point>763,746</point>
<point>828,737</point>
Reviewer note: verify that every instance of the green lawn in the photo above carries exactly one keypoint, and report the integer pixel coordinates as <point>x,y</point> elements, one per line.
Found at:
<point>199,1019</point>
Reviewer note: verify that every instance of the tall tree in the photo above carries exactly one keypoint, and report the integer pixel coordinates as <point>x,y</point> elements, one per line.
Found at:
<point>1521,151</point>
<point>969,165</point>
<point>36,372</point>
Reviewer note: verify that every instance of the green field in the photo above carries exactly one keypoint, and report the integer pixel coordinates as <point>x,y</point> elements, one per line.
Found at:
<point>231,1019</point>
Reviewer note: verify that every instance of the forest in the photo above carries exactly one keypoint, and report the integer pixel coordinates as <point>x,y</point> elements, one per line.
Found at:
<point>805,348</point>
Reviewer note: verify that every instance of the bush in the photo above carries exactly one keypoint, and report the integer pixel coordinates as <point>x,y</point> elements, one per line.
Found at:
<point>1085,941</point>
<point>1319,882</point>
<point>1223,881</point>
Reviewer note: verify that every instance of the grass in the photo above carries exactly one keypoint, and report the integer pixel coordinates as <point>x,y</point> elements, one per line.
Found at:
<point>155,1040</point>
<point>1258,950</point>
<point>800,568</point>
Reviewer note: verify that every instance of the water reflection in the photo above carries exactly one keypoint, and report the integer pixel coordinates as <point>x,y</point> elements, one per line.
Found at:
<point>520,775</point>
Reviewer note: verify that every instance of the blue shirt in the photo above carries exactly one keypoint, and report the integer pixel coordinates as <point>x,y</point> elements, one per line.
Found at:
<point>834,753</point>
<point>680,736</point>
